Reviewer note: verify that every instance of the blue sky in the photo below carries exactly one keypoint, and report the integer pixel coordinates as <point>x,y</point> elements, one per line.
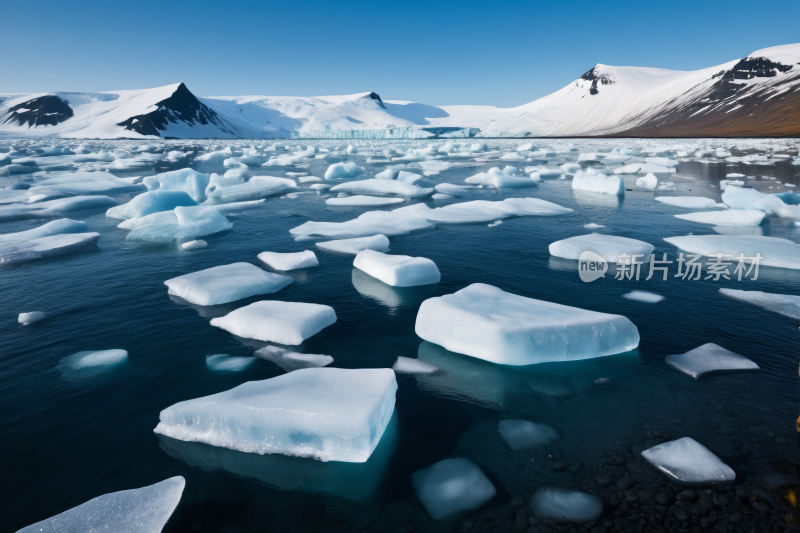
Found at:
<point>502,53</point>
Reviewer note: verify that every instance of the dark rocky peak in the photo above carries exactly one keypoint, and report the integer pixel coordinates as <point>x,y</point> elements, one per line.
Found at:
<point>47,110</point>
<point>727,83</point>
<point>376,97</point>
<point>597,75</point>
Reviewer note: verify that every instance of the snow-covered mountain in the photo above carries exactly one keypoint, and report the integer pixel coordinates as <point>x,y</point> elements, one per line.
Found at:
<point>758,95</point>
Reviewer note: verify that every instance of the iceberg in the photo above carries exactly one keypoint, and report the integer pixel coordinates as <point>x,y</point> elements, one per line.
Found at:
<point>522,434</point>
<point>126,511</point>
<point>187,180</point>
<point>687,462</point>
<point>408,365</point>
<point>710,359</point>
<point>56,227</point>
<point>288,323</point>
<point>27,319</point>
<point>397,270</point>
<point>379,243</point>
<point>363,201</point>
<point>224,362</point>
<point>343,420</point>
<point>690,202</point>
<point>43,247</point>
<point>384,187</point>
<point>729,217</point>
<point>452,486</point>
<point>289,261</point>
<point>783,304</point>
<point>610,247</point>
<point>643,296</point>
<point>566,505</point>
<point>151,202</point>
<point>291,361</point>
<point>342,171</point>
<point>485,322</point>
<point>225,283</point>
<point>599,183</point>
<point>775,252</point>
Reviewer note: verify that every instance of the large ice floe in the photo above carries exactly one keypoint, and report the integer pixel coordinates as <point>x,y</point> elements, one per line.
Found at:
<point>770,204</point>
<point>729,217</point>
<point>452,486</point>
<point>55,227</point>
<point>43,247</point>
<point>563,505</point>
<point>289,261</point>
<point>775,252</point>
<point>288,323</point>
<point>599,183</point>
<point>343,420</point>
<point>180,224</point>
<point>360,200</point>
<point>783,304</point>
<point>51,208</point>
<point>687,462</point>
<point>151,202</point>
<point>522,434</point>
<point>485,322</point>
<point>710,359</point>
<point>398,270</point>
<point>255,189</point>
<point>609,247</point>
<point>379,243</point>
<point>689,202</point>
<point>87,183</point>
<point>383,187</point>
<point>225,283</point>
<point>128,511</point>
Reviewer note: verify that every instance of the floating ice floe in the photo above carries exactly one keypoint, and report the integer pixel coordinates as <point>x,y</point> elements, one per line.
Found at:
<point>183,223</point>
<point>151,202</point>
<point>775,252</point>
<point>87,183</point>
<point>729,217</point>
<point>783,304</point>
<point>609,247</point>
<point>343,420</point>
<point>27,319</point>
<point>710,359</point>
<point>255,189</point>
<point>384,187</point>
<point>363,201</point>
<point>289,261</point>
<point>644,168</point>
<point>408,365</point>
<point>341,171</point>
<point>370,223</point>
<point>455,190</point>
<point>488,178</point>
<point>288,323</point>
<point>194,245</point>
<point>227,363</point>
<point>379,243</point>
<point>397,270</point>
<point>724,184</point>
<point>522,434</point>
<point>686,461</point>
<point>226,283</point>
<point>56,227</point>
<point>128,511</point>
<point>479,211</point>
<point>43,247</point>
<point>599,183</point>
<point>485,322</point>
<point>452,486</point>
<point>513,182</point>
<point>566,505</point>
<point>647,182</point>
<point>187,180</point>
<point>643,296</point>
<point>92,359</point>
<point>771,205</point>
<point>50,208</point>
<point>690,202</point>
<point>291,361</point>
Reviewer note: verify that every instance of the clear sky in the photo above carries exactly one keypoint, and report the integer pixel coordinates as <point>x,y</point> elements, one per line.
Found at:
<point>492,52</point>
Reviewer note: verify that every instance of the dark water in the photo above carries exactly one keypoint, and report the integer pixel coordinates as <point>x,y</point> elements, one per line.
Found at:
<point>64,441</point>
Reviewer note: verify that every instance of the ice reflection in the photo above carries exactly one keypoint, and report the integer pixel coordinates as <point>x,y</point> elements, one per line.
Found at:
<point>390,296</point>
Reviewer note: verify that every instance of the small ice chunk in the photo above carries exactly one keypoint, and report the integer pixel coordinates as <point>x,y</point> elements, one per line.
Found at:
<point>783,304</point>
<point>452,486</point>
<point>227,363</point>
<point>291,361</point>
<point>647,182</point>
<point>608,246</point>
<point>328,414</point>
<point>288,323</point>
<point>566,505</point>
<point>31,318</point>
<point>709,359</point>
<point>495,223</point>
<point>379,243</point>
<point>690,202</point>
<point>94,358</point>
<point>408,365</point>
<point>599,183</point>
<point>226,283</point>
<point>289,261</point>
<point>729,217</point>
<point>775,252</point>
<point>485,322</point>
<point>56,227</point>
<point>398,270</point>
<point>194,245</point>
<point>686,461</point>
<point>126,511</point>
<point>442,196</point>
<point>593,226</point>
<point>43,247</point>
<point>341,171</point>
<point>643,296</point>
<point>522,434</point>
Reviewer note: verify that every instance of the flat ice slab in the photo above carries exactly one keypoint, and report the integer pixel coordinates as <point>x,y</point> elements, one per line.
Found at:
<point>291,361</point>
<point>398,270</point>
<point>226,283</point>
<point>329,414</point>
<point>367,224</point>
<point>775,252</point>
<point>708,359</point>
<point>452,486</point>
<point>522,434</point>
<point>643,296</point>
<point>127,511</point>
<point>379,243</point>
<point>485,322</point>
<point>381,187</point>
<point>56,227</point>
<point>688,462</point>
<point>607,246</point>
<point>784,304</point>
<point>288,323</point>
<point>409,365</point>
<point>690,202</point>
<point>729,217</point>
<point>566,505</point>
<point>361,200</point>
<point>289,261</point>
<point>43,247</point>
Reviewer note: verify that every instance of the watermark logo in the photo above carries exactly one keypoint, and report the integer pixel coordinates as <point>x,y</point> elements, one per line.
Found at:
<point>591,266</point>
